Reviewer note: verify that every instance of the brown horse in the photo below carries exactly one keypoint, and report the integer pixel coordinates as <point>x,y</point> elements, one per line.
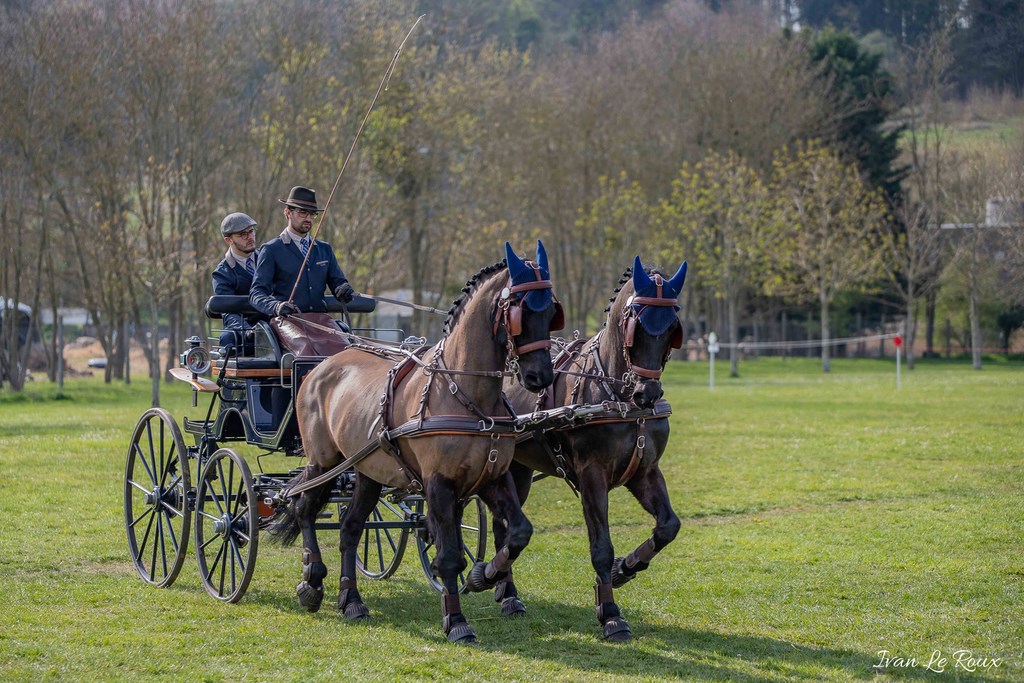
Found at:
<point>621,366</point>
<point>448,396</point>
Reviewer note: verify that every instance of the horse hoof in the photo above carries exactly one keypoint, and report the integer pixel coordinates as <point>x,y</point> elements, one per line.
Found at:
<point>462,633</point>
<point>356,611</point>
<point>616,630</point>
<point>511,607</point>
<point>619,576</point>
<point>309,597</point>
<point>476,580</point>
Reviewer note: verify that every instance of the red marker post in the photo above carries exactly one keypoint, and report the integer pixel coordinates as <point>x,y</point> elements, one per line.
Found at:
<point>898,342</point>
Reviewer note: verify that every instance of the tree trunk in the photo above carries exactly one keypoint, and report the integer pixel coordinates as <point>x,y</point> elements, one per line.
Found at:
<point>929,314</point>
<point>826,357</point>
<point>910,331</point>
<point>975,331</point>
<point>154,351</point>
<point>734,329</point>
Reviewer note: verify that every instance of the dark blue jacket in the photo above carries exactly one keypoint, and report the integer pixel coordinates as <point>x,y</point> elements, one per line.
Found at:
<point>231,277</point>
<point>276,270</point>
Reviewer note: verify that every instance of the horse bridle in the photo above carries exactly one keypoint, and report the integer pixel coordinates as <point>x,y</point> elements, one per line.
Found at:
<point>635,307</point>
<point>509,314</point>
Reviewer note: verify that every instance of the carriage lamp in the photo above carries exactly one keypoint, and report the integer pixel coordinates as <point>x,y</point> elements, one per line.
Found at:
<point>195,358</point>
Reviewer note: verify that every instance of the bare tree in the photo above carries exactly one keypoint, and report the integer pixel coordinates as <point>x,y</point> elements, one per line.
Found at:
<point>978,247</point>
<point>913,238</point>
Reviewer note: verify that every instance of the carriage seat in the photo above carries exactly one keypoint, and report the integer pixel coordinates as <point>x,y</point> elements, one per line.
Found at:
<point>219,304</point>
<point>270,345</point>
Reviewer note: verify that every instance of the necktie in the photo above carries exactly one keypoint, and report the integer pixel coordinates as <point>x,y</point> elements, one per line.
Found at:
<point>304,246</point>
<point>250,266</point>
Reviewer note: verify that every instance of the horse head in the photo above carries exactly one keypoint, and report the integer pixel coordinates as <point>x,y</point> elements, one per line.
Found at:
<point>650,329</point>
<point>527,313</point>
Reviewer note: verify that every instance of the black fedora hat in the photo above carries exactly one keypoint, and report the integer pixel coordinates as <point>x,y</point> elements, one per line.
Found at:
<point>301,198</point>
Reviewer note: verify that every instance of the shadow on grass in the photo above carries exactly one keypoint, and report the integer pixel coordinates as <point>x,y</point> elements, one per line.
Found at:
<point>569,636</point>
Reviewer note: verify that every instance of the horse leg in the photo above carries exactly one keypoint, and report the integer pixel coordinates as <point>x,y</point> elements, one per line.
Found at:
<point>594,497</point>
<point>311,589</point>
<point>364,497</point>
<point>505,592</point>
<point>444,518</point>
<point>503,501</point>
<point>652,494</point>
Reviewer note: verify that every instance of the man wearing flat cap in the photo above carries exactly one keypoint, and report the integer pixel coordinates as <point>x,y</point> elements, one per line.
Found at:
<point>234,274</point>
<point>293,256</point>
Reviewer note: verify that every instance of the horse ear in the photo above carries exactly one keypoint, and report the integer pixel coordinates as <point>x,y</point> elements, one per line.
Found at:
<point>515,264</point>
<point>676,283</point>
<point>542,258</point>
<point>640,278</point>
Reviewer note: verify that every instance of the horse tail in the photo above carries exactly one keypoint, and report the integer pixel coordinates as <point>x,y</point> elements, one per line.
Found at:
<point>286,525</point>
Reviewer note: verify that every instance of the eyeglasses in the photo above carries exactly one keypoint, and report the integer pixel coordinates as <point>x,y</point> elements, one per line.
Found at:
<point>303,213</point>
<point>246,233</point>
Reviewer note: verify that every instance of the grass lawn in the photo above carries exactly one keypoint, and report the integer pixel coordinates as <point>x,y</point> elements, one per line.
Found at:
<point>826,518</point>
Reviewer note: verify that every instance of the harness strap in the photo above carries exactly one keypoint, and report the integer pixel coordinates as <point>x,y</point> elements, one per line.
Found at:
<point>460,425</point>
<point>638,453</point>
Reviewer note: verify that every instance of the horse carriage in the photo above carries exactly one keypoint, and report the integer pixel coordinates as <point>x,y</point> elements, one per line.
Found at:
<point>391,460</point>
<point>169,482</point>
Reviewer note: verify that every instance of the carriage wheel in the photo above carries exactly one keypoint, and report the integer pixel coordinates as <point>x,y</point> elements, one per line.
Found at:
<point>157,486</point>
<point>474,540</point>
<point>383,542</point>
<point>227,534</point>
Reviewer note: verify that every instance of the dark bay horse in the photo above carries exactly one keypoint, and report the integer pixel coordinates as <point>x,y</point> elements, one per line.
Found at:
<point>354,405</point>
<point>620,366</point>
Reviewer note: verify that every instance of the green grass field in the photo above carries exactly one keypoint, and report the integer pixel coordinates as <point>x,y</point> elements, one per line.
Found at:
<point>826,518</point>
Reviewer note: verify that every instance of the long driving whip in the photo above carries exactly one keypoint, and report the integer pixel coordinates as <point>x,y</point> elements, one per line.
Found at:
<point>383,82</point>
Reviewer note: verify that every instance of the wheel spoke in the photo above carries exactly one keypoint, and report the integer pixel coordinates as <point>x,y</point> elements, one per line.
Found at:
<point>213,538</point>
<point>206,515</point>
<point>139,486</point>
<point>168,462</point>
<point>146,512</point>
<point>170,532</point>
<point>171,509</point>
<point>145,537</point>
<point>158,541</point>
<point>236,554</point>
<point>142,458</point>
<point>220,498</point>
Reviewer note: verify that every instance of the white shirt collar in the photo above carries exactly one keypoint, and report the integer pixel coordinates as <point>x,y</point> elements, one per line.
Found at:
<point>290,235</point>
<point>234,258</point>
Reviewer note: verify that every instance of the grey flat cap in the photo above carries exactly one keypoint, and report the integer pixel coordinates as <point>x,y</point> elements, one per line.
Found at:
<point>235,222</point>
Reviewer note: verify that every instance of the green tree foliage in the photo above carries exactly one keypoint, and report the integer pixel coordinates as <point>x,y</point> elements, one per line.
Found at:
<point>716,215</point>
<point>825,231</point>
<point>861,94</point>
<point>989,46</point>
<point>906,21</point>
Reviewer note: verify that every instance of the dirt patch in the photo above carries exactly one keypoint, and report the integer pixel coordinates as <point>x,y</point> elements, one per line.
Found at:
<point>79,352</point>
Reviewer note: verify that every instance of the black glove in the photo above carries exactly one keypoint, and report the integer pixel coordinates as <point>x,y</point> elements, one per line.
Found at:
<point>287,308</point>
<point>344,293</point>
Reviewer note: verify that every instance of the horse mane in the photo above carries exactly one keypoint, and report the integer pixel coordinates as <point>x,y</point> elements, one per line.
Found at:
<point>472,285</point>
<point>626,277</point>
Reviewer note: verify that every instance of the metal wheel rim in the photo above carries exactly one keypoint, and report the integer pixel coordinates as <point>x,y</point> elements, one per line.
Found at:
<point>227,535</point>
<point>474,541</point>
<point>157,489</point>
<point>381,549</point>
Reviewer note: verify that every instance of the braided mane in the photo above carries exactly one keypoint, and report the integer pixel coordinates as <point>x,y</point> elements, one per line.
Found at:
<point>626,276</point>
<point>472,285</point>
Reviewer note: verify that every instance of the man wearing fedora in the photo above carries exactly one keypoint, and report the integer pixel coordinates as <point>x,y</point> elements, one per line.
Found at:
<point>234,274</point>
<point>280,264</point>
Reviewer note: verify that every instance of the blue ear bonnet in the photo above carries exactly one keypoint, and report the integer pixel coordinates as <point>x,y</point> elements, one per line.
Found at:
<point>656,320</point>
<point>521,272</point>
